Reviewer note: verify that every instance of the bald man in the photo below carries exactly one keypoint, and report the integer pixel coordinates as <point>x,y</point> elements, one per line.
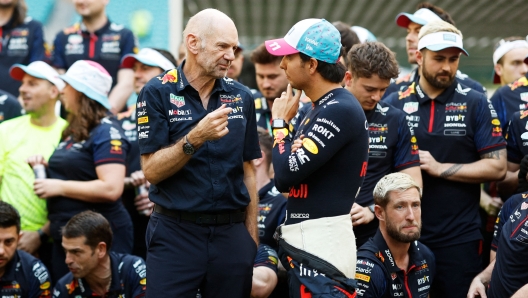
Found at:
<point>203,232</point>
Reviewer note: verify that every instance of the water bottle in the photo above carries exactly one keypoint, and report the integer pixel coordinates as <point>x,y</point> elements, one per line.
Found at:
<point>142,189</point>
<point>40,171</point>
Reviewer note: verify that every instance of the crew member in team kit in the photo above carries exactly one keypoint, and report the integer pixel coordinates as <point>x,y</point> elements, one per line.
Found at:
<point>413,22</point>
<point>21,274</point>
<point>322,167</point>
<point>508,60</point>
<point>96,38</point>
<point>200,137</point>
<point>393,263</point>
<point>95,271</point>
<point>393,146</point>
<point>461,146</point>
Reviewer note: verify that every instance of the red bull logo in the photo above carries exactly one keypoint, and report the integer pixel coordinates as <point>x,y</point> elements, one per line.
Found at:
<point>169,77</point>
<point>496,131</point>
<point>407,92</point>
<point>519,83</point>
<point>524,114</point>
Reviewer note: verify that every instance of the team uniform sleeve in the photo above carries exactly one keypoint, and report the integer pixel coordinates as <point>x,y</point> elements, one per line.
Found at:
<point>488,133</point>
<point>58,58</point>
<point>266,257</point>
<point>37,52</point>
<point>513,141</point>
<point>503,216</point>
<point>498,104</point>
<point>371,281</point>
<point>406,153</point>
<point>128,44</point>
<point>137,279</point>
<point>107,148</point>
<point>251,141</point>
<point>292,168</point>
<point>155,120</point>
<point>60,290</point>
<point>40,283</point>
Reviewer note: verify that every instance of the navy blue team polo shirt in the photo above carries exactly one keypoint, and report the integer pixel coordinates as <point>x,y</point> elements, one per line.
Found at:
<point>106,46</point>
<point>504,215</point>
<point>324,176</point>
<point>509,273</point>
<point>129,279</point>
<point>9,106</point>
<point>517,137</point>
<point>392,147</point>
<point>510,99</point>
<point>377,274</point>
<point>405,81</point>
<point>272,211</point>
<point>458,126</point>
<point>25,276</point>
<point>22,44</point>
<point>168,107</point>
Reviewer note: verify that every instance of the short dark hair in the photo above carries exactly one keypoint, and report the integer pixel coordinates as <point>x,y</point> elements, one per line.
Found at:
<point>507,39</point>
<point>9,216</point>
<point>330,72</point>
<point>372,57</point>
<point>167,55</point>
<point>349,38</point>
<point>91,225</point>
<point>261,56</point>
<point>266,143</point>
<point>438,11</point>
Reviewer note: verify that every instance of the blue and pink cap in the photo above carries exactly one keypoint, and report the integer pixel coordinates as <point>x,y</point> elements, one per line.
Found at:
<point>316,38</point>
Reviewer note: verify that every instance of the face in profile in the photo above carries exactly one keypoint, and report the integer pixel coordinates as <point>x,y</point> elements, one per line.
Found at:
<point>81,259</point>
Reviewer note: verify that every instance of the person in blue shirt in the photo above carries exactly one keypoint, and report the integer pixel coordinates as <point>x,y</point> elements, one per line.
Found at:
<point>9,106</point>
<point>461,145</point>
<point>393,146</point>
<point>198,137</point>
<point>98,39</point>
<point>22,41</point>
<point>322,166</point>
<point>413,23</point>
<point>95,271</point>
<point>393,263</point>
<point>21,274</point>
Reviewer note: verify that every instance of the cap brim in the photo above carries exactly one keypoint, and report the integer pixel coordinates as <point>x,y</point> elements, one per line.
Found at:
<point>403,20</point>
<point>17,72</point>
<point>439,47</point>
<point>279,47</point>
<point>101,99</point>
<point>128,61</point>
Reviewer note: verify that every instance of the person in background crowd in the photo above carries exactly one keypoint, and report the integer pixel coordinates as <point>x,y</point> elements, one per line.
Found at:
<point>96,38</point>
<point>37,132</point>
<point>9,106</point>
<point>21,41</point>
<point>393,146</point>
<point>413,23</point>
<point>393,263</point>
<point>21,274</point>
<point>147,64</point>
<point>461,145</point>
<point>198,149</point>
<point>235,68</point>
<point>94,269</point>
<point>87,169</point>
<point>508,60</point>
<point>324,162</point>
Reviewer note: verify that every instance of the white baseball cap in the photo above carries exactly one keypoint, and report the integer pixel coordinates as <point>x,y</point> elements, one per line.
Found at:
<point>148,57</point>
<point>503,48</point>
<point>422,16</point>
<point>441,40</point>
<point>37,69</point>
<point>91,79</point>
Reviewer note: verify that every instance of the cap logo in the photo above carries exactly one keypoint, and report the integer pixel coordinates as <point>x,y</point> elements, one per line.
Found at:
<point>274,46</point>
<point>450,37</point>
<point>309,40</point>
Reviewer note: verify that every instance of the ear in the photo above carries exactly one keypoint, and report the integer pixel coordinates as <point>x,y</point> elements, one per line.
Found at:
<point>257,162</point>
<point>348,78</point>
<point>498,69</point>
<point>101,249</point>
<point>419,57</point>
<point>379,212</point>
<point>312,65</point>
<point>192,42</point>
<point>54,92</point>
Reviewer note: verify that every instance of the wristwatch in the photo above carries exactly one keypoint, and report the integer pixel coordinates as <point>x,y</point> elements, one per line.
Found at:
<point>371,208</point>
<point>279,123</point>
<point>188,148</point>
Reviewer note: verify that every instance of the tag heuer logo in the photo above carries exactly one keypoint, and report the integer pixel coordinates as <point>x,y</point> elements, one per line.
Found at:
<point>178,101</point>
<point>524,96</point>
<point>410,107</point>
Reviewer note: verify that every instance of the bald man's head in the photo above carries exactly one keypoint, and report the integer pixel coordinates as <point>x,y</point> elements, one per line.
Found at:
<point>210,39</point>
